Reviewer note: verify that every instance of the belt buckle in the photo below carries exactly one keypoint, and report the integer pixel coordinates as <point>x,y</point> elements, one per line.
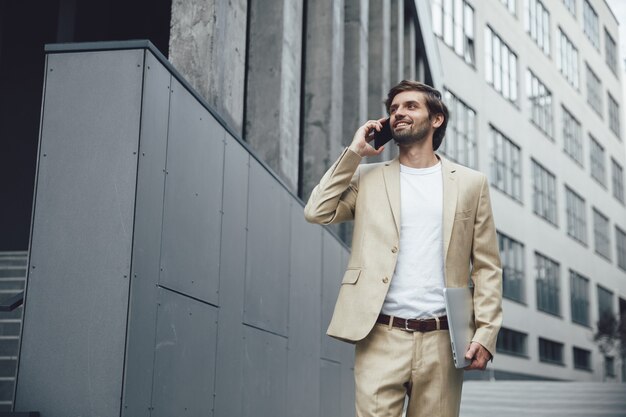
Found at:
<point>406,325</point>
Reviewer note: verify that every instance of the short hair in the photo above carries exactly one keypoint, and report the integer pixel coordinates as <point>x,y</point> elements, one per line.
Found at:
<point>434,104</point>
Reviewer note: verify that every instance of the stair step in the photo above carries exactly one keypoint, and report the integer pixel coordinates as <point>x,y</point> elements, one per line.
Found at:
<point>12,272</point>
<point>12,284</point>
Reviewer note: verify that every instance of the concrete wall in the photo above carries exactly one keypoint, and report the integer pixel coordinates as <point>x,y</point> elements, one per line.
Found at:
<point>313,71</point>
<point>171,271</point>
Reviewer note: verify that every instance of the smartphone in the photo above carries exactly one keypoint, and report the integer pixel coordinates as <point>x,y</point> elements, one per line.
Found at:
<point>384,136</point>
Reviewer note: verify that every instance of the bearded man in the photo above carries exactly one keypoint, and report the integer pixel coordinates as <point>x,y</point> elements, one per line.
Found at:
<point>421,223</point>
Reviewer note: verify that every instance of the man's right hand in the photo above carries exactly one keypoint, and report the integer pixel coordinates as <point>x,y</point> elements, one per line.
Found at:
<point>364,135</point>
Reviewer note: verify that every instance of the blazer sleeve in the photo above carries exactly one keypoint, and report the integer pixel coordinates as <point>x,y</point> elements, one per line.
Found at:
<point>486,274</point>
<point>333,200</point>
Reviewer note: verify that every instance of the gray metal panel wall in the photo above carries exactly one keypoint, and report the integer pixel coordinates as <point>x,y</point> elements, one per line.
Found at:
<point>147,240</point>
<point>218,236</point>
<point>184,363</point>
<point>190,249</point>
<point>71,359</point>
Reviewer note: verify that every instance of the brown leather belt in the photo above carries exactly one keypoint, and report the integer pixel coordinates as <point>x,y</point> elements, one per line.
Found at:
<point>411,325</point>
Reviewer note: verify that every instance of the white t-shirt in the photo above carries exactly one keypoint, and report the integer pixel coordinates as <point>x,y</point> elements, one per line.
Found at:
<point>416,290</point>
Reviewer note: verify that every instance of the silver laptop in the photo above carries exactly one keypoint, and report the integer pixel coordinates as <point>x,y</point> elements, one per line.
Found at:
<point>460,311</point>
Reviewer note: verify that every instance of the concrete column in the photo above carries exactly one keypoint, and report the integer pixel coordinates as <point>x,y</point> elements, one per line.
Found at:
<point>355,67</point>
<point>397,41</point>
<point>272,125</point>
<point>410,58</point>
<point>323,85</point>
<point>379,62</point>
<point>208,46</point>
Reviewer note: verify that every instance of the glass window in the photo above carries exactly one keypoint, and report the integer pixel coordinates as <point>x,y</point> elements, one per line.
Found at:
<point>550,351</point>
<point>620,246</point>
<point>513,272</point>
<point>572,137</point>
<point>609,366</point>
<point>582,359</point>
<point>591,24</point>
<point>544,193</point>
<point>579,288</point>
<point>511,342</point>
<point>594,91</point>
<point>460,141</point>
<point>540,103</point>
<point>571,6</point>
<point>617,178</point>
<point>538,24</point>
<point>501,66</point>
<point>614,116</point>
<point>605,302</point>
<point>548,285</point>
<point>611,51</point>
<point>567,61</point>
<point>602,241</point>
<point>453,22</point>
<point>576,216</point>
<point>598,166</point>
<point>506,169</point>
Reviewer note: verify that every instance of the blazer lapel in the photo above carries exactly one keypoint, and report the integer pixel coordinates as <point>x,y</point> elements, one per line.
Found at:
<point>450,193</point>
<point>391,174</point>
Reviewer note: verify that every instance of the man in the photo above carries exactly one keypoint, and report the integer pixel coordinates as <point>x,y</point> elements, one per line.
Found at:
<point>421,223</point>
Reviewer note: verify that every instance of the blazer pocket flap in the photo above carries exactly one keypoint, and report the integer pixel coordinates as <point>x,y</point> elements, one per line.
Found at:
<point>351,276</point>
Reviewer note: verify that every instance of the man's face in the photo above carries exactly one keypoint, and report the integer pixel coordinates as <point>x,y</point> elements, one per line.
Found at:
<point>409,118</point>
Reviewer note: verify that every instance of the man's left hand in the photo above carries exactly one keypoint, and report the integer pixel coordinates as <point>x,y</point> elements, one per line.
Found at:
<point>478,355</point>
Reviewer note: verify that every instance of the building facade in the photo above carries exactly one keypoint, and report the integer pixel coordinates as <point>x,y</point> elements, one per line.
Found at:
<point>534,89</point>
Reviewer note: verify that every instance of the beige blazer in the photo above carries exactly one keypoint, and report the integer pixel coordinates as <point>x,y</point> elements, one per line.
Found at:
<point>370,194</point>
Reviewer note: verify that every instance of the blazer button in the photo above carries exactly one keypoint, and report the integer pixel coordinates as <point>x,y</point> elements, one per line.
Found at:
<point>394,249</point>
<point>385,280</point>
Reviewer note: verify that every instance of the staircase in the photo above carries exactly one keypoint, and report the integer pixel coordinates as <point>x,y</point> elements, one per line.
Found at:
<point>13,267</point>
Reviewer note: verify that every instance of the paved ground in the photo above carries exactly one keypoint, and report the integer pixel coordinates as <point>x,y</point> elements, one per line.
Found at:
<point>543,399</point>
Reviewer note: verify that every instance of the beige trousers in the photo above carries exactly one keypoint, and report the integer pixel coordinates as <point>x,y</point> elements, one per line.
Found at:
<point>391,363</point>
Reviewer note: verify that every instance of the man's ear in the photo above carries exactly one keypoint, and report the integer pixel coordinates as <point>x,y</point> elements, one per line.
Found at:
<point>437,120</point>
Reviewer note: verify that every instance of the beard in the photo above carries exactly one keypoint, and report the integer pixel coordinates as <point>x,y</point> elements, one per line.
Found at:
<point>412,135</point>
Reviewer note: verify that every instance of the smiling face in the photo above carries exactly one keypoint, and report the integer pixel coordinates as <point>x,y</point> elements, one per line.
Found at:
<point>409,118</point>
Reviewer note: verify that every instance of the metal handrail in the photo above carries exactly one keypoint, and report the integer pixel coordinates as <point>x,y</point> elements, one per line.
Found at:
<point>13,302</point>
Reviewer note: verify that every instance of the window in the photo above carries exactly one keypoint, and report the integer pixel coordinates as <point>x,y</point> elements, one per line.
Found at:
<point>460,142</point>
<point>551,352</point>
<point>537,24</point>
<point>576,217</point>
<point>544,193</point>
<point>510,5</point>
<point>567,61</point>
<point>512,256</point>
<point>500,66</point>
<point>602,241</point>
<point>571,6</point>
<point>579,289</point>
<point>582,359</point>
<point>605,302</point>
<point>620,246</point>
<point>506,166</point>
<point>609,366</point>
<point>614,116</point>
<point>453,22</point>
<point>511,342</point>
<point>540,103</point>
<point>617,178</point>
<point>610,48</point>
<point>548,286</point>
<point>590,24</point>
<point>598,167</point>
<point>572,137</point>
<point>594,91</point>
